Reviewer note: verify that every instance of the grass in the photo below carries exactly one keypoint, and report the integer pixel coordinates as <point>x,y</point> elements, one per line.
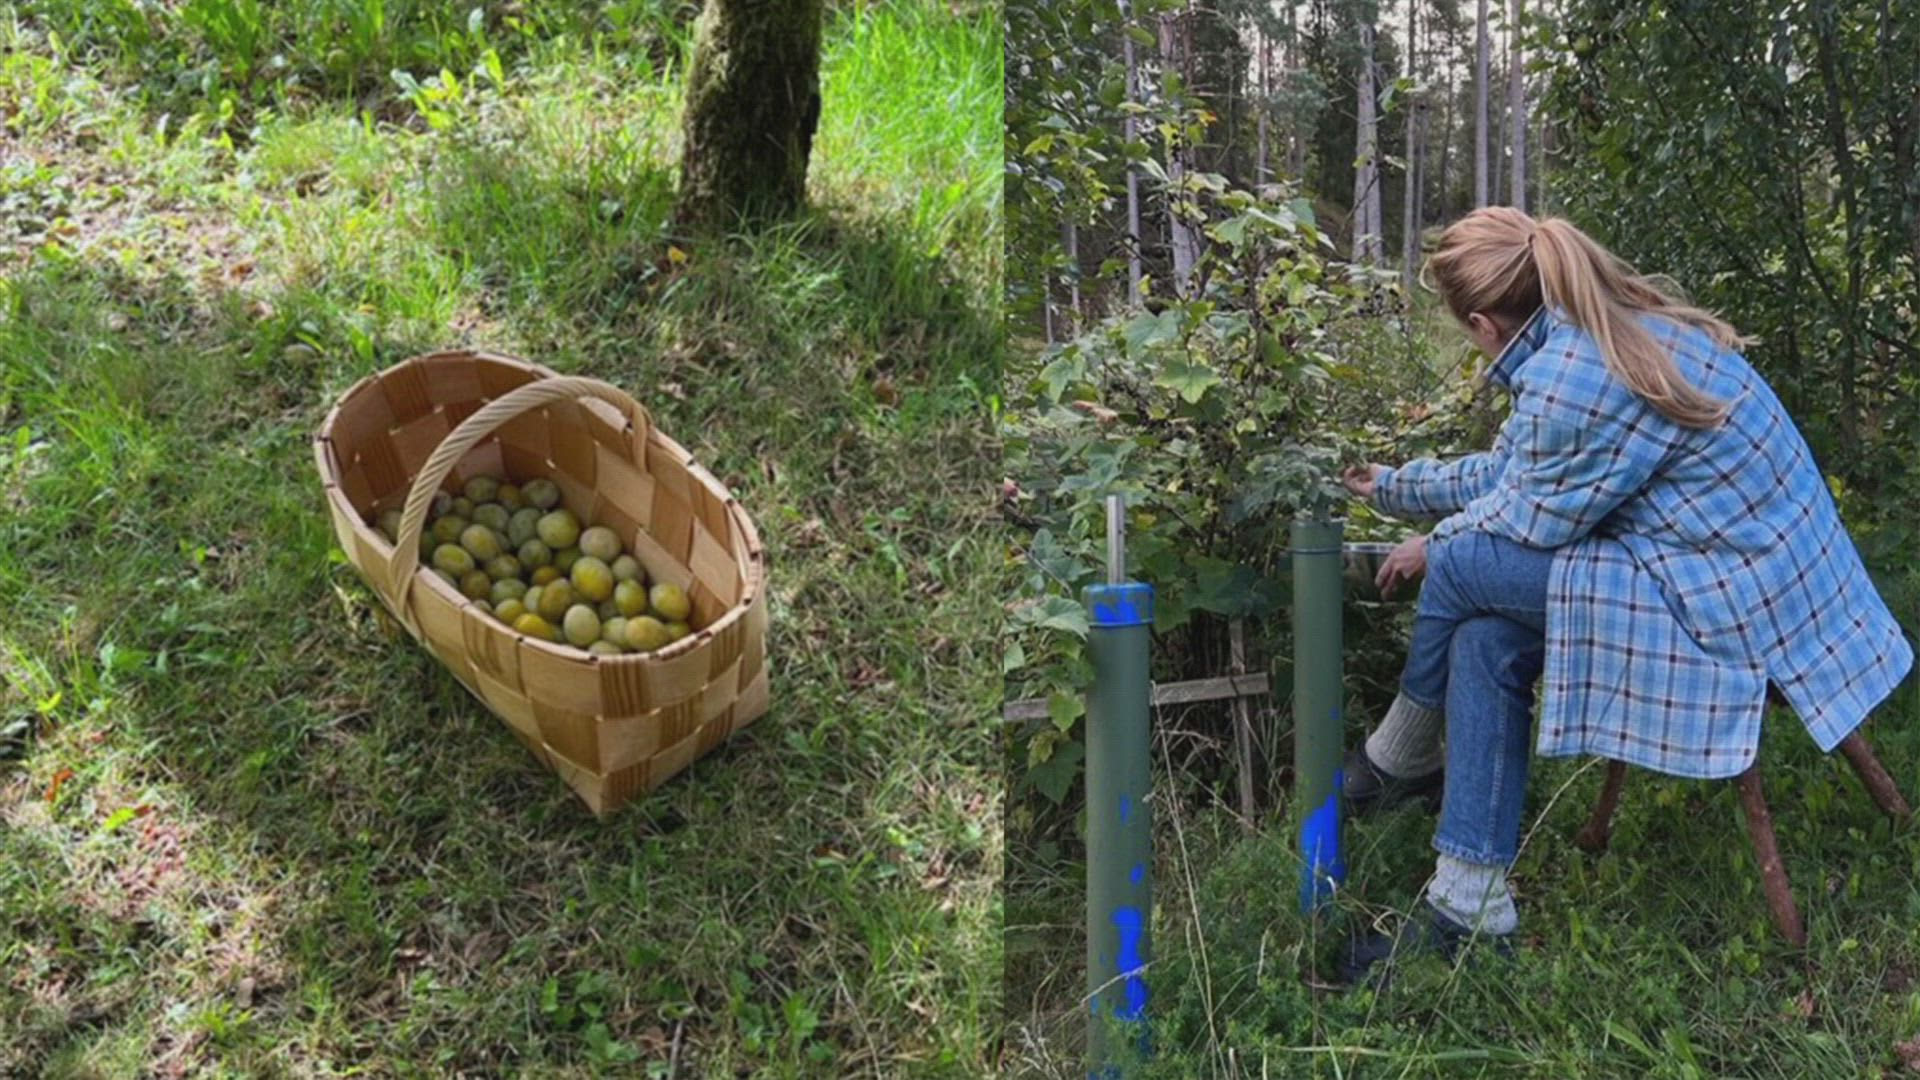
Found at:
<point>1657,958</point>
<point>248,829</point>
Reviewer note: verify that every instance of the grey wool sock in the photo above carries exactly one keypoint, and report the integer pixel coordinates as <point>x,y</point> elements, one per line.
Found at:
<point>1410,741</point>
<point>1475,895</point>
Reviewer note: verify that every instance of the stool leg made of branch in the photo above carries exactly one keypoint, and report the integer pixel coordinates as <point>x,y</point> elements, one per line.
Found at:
<point>1873,777</point>
<point>1766,851</point>
<point>1595,835</point>
<point>1598,831</point>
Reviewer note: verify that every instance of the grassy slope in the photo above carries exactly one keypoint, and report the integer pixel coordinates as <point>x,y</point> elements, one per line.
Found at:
<point>1655,959</point>
<point>258,834</point>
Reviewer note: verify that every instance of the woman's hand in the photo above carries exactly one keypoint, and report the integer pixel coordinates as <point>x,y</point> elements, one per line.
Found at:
<point>1360,478</point>
<point>1402,564</point>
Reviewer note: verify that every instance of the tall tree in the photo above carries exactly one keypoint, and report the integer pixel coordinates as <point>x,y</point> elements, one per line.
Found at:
<point>1297,131</point>
<point>753,102</point>
<point>1410,219</point>
<point>1481,48</point>
<point>1517,111</point>
<point>1071,237</point>
<point>1174,32</point>
<point>1445,187</point>
<point>1367,242</point>
<point>1133,175</point>
<point>1260,172</point>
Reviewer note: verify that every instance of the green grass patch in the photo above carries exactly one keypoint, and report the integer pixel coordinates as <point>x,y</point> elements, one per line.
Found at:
<point>253,830</point>
<point>1657,958</point>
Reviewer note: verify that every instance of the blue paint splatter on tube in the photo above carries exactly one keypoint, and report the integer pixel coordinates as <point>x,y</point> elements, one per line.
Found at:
<point>1138,874</point>
<point>1127,919</point>
<point>1320,847</point>
<point>1126,809</point>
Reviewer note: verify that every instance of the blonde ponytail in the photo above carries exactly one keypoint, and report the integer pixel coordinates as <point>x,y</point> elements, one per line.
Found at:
<point>1499,261</point>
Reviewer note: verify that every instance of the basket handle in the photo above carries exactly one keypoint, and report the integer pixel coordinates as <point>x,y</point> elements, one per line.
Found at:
<point>522,398</point>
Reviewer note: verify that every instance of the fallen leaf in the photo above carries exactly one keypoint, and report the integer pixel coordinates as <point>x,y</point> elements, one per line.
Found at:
<point>811,532</point>
<point>61,777</point>
<point>1096,410</point>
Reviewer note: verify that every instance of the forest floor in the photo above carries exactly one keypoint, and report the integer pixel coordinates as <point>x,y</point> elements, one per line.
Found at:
<point>1656,958</point>
<point>246,829</point>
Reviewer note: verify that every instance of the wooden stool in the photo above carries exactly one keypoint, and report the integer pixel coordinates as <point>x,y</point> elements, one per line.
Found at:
<point>1595,834</point>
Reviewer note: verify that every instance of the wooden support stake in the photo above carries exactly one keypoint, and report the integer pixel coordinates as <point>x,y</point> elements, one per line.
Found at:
<point>1242,722</point>
<point>1180,693</point>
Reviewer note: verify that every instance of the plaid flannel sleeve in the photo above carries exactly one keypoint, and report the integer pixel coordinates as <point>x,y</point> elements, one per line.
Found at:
<point>1430,488</point>
<point>1569,467</point>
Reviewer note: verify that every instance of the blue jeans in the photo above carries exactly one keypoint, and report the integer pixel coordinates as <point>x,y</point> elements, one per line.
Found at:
<point>1479,642</point>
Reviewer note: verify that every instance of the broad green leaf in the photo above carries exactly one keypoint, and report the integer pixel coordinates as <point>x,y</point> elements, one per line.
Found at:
<point>1145,331</point>
<point>1232,231</point>
<point>1190,380</point>
<point>1054,776</point>
<point>1056,613</point>
<point>1063,709</point>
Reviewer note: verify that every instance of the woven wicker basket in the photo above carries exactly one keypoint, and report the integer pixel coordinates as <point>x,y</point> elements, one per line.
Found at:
<point>611,726</point>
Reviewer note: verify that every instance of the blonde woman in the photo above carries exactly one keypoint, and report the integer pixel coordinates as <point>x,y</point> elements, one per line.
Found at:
<point>1649,532</point>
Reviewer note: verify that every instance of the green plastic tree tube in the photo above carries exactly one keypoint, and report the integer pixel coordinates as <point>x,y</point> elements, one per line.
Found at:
<point>1317,693</point>
<point>1119,822</point>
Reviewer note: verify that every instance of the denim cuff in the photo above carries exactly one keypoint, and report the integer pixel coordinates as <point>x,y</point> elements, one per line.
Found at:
<point>1480,856</point>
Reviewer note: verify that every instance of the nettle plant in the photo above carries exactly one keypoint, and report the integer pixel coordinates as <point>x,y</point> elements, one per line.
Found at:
<point>1218,417</point>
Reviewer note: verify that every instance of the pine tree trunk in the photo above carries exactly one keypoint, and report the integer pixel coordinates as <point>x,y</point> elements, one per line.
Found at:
<point>1228,160</point>
<point>1517,110</point>
<point>1480,50</point>
<point>753,102</point>
<point>1496,143</point>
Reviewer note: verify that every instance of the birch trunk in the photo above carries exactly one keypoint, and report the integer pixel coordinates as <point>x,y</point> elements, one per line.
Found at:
<point>1367,245</point>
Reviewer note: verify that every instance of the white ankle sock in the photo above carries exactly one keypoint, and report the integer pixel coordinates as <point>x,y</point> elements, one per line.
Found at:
<point>1474,895</point>
<point>1409,742</point>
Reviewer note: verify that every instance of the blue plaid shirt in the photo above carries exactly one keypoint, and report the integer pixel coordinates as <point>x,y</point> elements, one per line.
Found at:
<point>1692,567</point>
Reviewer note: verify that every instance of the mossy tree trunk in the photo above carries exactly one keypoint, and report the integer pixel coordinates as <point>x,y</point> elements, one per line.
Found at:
<point>753,102</point>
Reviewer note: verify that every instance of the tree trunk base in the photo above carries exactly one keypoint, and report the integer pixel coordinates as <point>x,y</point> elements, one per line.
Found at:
<point>753,104</point>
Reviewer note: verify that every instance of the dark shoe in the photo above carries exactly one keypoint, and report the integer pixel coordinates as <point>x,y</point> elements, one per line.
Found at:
<point>1428,931</point>
<point>1368,787</point>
